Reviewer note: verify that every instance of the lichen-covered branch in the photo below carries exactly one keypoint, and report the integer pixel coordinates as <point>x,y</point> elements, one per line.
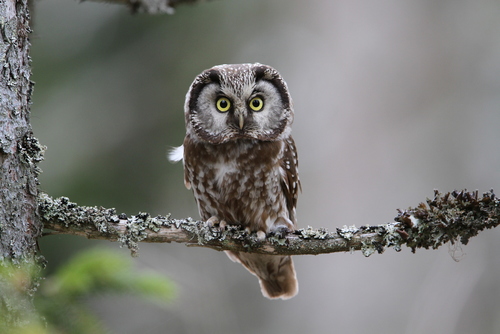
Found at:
<point>451,217</point>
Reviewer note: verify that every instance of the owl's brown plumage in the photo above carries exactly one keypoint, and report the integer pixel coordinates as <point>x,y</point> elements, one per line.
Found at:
<point>241,162</point>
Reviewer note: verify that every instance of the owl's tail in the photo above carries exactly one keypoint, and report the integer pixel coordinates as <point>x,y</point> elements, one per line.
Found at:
<point>275,272</point>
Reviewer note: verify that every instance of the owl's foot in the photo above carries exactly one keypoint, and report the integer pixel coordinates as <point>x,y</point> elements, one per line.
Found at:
<point>216,226</point>
<point>281,228</point>
<point>261,236</point>
<point>281,232</point>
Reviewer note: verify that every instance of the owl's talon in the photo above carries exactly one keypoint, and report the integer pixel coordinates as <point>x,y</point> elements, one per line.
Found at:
<point>216,226</point>
<point>261,236</point>
<point>223,225</point>
<point>212,221</point>
<point>281,228</point>
<point>281,231</point>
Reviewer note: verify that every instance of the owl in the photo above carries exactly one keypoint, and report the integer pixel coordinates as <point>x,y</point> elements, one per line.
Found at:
<point>241,162</point>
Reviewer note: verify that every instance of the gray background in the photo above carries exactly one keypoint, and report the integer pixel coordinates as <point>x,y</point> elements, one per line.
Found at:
<point>392,100</point>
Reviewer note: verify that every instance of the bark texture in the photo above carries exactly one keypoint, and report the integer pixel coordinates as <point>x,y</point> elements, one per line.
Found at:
<point>19,154</point>
<point>19,150</point>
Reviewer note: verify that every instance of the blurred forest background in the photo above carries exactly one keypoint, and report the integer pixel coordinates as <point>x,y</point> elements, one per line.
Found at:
<point>392,100</point>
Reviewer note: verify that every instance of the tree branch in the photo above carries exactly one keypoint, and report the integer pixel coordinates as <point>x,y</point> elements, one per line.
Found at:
<point>150,6</point>
<point>452,217</point>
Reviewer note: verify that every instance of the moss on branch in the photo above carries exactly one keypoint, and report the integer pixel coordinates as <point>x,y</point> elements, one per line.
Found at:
<point>451,217</point>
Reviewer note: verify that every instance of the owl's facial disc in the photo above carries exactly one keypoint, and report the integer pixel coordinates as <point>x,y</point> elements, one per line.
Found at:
<point>232,102</point>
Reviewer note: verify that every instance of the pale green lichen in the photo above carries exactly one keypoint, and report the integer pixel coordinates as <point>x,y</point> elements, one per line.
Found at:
<point>311,233</point>
<point>450,217</point>
<point>276,240</point>
<point>367,248</point>
<point>347,232</point>
<point>31,152</point>
<point>391,236</point>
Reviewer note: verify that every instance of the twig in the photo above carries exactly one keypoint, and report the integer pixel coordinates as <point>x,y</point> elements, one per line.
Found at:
<point>452,217</point>
<point>150,6</point>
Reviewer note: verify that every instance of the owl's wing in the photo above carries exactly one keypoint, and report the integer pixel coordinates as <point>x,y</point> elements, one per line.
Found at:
<point>290,176</point>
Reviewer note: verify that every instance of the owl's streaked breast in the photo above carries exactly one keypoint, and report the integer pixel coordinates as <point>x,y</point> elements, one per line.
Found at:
<point>238,182</point>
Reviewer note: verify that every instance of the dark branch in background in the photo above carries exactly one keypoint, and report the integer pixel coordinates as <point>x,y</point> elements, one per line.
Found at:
<point>150,6</point>
<point>451,217</point>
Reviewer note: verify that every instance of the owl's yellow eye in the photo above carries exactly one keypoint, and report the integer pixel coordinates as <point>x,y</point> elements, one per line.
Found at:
<point>256,104</point>
<point>223,104</point>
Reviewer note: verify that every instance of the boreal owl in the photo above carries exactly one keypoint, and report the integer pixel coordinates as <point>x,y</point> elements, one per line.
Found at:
<point>241,162</point>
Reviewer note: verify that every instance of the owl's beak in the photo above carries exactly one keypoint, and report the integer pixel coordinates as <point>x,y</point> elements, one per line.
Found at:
<point>240,115</point>
<point>242,120</point>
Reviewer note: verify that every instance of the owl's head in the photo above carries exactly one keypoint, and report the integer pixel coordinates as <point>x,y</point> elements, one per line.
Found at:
<point>243,101</point>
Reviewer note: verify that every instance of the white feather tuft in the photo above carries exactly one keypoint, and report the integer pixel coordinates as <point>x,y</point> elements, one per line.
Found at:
<point>176,154</point>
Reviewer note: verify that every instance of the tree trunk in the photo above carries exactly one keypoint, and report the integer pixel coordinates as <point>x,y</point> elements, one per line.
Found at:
<point>19,153</point>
